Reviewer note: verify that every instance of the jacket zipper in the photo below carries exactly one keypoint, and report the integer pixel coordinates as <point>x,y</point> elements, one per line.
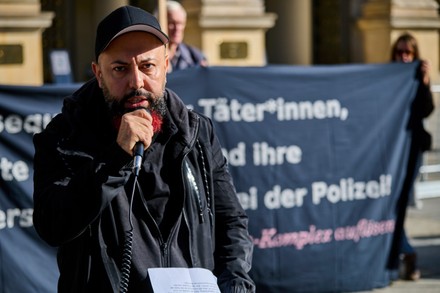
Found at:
<point>163,245</point>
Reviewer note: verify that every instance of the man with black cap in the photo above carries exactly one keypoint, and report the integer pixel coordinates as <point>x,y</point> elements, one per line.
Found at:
<point>128,179</point>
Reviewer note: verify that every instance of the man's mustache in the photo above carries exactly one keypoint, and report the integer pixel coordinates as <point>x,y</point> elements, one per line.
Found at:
<point>138,93</point>
<point>118,106</point>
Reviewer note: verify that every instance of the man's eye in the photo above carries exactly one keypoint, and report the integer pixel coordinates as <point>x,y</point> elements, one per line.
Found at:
<point>147,66</point>
<point>119,68</point>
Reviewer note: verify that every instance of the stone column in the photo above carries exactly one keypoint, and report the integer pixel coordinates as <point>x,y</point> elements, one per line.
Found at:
<point>21,52</point>
<point>103,7</point>
<point>383,21</point>
<point>290,42</point>
<point>230,33</point>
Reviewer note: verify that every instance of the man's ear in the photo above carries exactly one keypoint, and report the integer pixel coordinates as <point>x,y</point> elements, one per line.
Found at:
<point>97,72</point>
<point>167,60</point>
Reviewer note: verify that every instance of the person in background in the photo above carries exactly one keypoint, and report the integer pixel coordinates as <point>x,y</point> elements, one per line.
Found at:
<point>127,179</point>
<point>182,55</point>
<point>405,49</point>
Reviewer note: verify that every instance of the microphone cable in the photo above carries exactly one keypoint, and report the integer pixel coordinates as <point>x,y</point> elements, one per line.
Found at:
<point>128,243</point>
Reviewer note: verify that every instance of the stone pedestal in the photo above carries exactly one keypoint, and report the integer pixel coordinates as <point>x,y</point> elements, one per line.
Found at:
<point>21,27</point>
<point>383,21</point>
<point>229,32</point>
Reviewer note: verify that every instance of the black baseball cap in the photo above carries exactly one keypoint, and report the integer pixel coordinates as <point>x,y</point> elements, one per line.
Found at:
<point>123,20</point>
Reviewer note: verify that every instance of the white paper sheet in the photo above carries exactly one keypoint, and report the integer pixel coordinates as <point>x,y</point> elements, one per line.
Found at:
<point>183,280</point>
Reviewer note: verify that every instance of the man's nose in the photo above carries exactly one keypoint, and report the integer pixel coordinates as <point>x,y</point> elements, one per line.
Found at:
<point>136,81</point>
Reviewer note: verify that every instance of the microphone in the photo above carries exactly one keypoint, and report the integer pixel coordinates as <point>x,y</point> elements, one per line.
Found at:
<point>138,151</point>
<point>137,160</point>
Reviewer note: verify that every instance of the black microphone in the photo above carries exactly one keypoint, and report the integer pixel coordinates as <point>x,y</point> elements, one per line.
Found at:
<point>137,160</point>
<point>138,151</point>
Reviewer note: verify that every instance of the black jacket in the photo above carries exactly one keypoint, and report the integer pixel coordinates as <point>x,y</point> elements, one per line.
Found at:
<point>83,185</point>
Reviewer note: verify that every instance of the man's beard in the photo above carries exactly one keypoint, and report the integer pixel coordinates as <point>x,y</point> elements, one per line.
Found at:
<point>156,105</point>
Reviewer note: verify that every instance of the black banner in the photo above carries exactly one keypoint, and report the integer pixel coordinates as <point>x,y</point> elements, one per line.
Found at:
<point>317,154</point>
